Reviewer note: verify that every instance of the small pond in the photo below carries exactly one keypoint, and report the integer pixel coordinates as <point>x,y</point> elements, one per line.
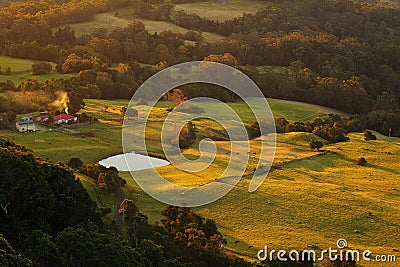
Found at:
<point>133,162</point>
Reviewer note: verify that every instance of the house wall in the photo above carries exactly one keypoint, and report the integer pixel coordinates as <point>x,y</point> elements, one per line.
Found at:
<point>25,127</point>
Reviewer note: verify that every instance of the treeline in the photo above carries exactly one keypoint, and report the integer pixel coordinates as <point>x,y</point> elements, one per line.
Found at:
<point>54,13</point>
<point>341,42</point>
<point>48,219</point>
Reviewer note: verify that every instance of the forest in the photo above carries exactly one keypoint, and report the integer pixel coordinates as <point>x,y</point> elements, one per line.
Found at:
<point>352,65</point>
<point>339,54</point>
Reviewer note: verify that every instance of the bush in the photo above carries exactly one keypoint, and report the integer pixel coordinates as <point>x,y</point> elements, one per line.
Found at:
<point>331,134</point>
<point>187,135</point>
<point>40,68</point>
<point>368,135</point>
<point>253,130</point>
<point>75,163</point>
<point>362,162</point>
<point>315,144</point>
<point>131,113</point>
<point>297,127</point>
<point>280,124</point>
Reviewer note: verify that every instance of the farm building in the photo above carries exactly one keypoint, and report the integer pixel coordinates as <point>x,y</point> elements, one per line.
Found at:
<point>25,124</point>
<point>64,118</point>
<point>43,118</point>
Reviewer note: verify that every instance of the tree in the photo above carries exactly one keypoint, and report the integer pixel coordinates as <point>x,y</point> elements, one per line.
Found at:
<point>368,135</point>
<point>316,144</point>
<point>40,68</point>
<point>130,113</point>
<point>253,130</point>
<point>40,248</point>
<point>75,103</point>
<point>75,163</point>
<point>362,161</point>
<point>138,228</point>
<point>386,101</point>
<point>9,257</point>
<point>56,199</point>
<point>89,247</point>
<point>226,58</point>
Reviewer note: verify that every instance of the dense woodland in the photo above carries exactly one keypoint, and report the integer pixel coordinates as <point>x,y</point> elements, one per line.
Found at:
<point>340,54</point>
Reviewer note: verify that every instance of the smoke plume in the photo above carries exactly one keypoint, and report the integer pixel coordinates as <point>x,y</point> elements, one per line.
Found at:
<point>61,102</point>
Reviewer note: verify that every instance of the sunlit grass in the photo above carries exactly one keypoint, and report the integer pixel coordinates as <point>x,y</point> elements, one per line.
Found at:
<point>21,71</point>
<point>311,201</point>
<point>124,17</point>
<point>219,11</point>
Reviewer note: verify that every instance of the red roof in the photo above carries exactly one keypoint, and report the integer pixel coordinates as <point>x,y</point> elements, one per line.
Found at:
<point>64,117</point>
<point>44,117</point>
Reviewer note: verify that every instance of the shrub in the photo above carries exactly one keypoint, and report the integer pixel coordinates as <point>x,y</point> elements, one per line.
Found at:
<point>253,130</point>
<point>368,135</point>
<point>297,127</point>
<point>331,134</point>
<point>316,144</point>
<point>40,68</point>
<point>131,113</point>
<point>187,135</point>
<point>362,162</point>
<point>75,163</point>
<point>280,124</point>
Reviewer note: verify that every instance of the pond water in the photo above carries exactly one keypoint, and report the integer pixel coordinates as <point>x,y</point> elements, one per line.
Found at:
<point>132,162</point>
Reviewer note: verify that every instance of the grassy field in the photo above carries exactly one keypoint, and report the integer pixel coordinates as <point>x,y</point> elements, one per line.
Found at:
<point>223,11</point>
<point>110,21</point>
<point>309,202</point>
<point>21,71</point>
<point>95,141</point>
<point>312,202</point>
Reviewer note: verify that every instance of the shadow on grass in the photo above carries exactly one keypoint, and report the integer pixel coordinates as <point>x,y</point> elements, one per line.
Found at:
<point>382,168</point>
<point>373,166</point>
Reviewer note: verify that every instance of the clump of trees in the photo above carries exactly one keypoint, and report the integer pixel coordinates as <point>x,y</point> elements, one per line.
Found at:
<point>368,135</point>
<point>7,118</point>
<point>129,113</point>
<point>38,195</point>
<point>316,144</point>
<point>75,163</point>
<point>107,177</point>
<point>40,68</point>
<point>333,129</point>
<point>187,135</point>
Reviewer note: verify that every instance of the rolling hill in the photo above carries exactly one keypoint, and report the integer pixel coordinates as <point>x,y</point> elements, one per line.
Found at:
<point>311,201</point>
<point>21,71</point>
